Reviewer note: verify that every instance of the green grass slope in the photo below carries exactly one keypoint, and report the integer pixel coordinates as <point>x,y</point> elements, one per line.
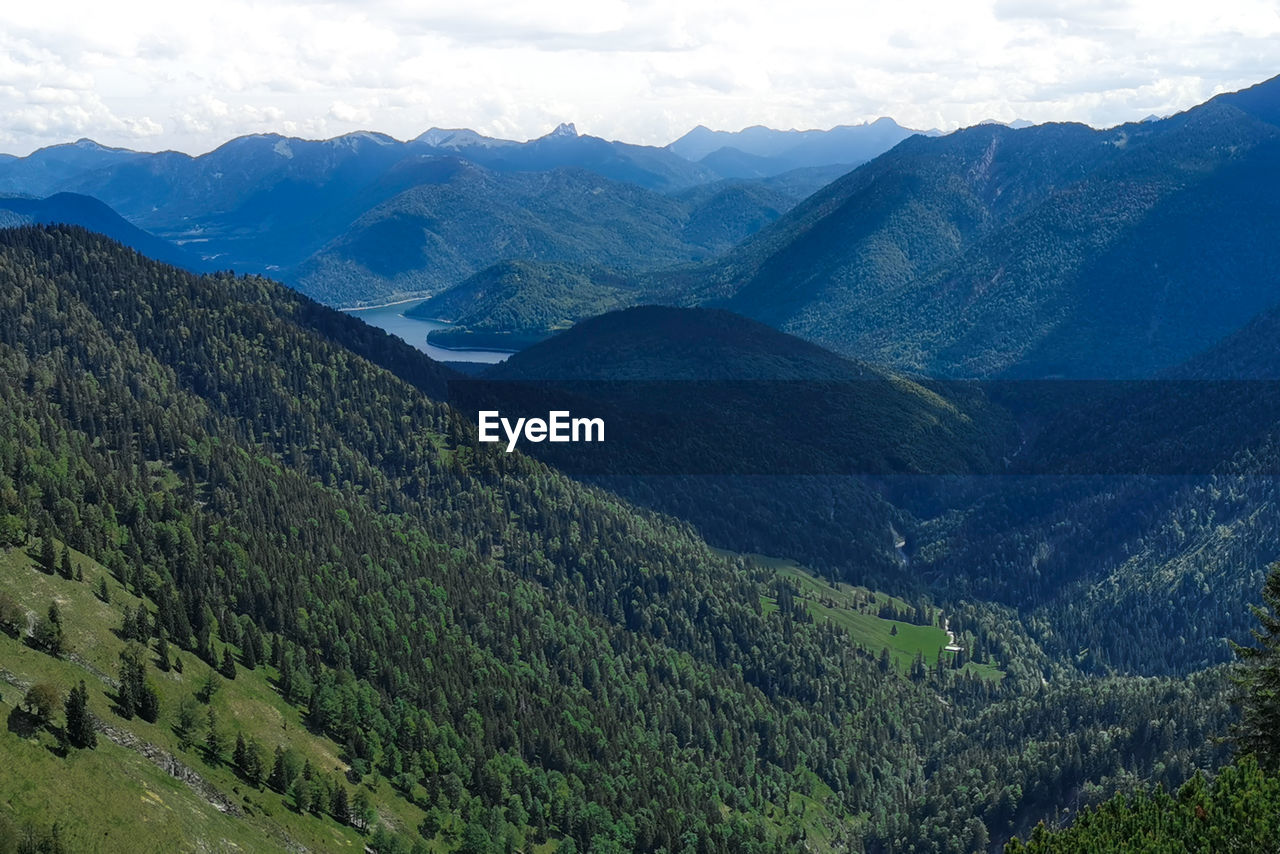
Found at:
<point>122,794</point>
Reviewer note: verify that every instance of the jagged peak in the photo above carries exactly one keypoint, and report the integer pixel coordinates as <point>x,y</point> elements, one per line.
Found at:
<point>563,130</point>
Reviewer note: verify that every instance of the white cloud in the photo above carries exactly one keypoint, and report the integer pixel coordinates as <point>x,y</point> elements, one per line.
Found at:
<point>164,74</point>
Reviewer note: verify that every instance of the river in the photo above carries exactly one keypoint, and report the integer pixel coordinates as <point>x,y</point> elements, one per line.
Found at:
<point>414,331</point>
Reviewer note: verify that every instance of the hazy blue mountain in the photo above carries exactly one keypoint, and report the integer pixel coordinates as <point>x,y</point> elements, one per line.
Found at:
<point>732,162</point>
<point>257,202</point>
<point>458,218</point>
<point>760,151</point>
<point>1051,250</point>
<point>645,165</point>
<point>516,303</point>
<point>267,203</point>
<point>50,169</point>
<point>459,139</point>
<point>74,209</point>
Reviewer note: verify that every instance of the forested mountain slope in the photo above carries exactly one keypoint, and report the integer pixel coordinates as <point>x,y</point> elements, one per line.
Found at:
<point>1236,808</point>
<point>268,203</point>
<point>329,502</point>
<point>458,218</point>
<point>1143,560</point>
<point>524,660</point>
<point>753,401</point>
<point>1051,250</point>
<point>86,212</point>
<point>517,303</point>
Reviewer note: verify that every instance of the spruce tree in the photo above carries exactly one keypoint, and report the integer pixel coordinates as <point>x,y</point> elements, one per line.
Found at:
<point>228,666</point>
<point>238,755</point>
<point>133,677</point>
<point>162,652</point>
<point>48,634</point>
<point>340,805</point>
<point>149,703</point>
<point>248,654</point>
<point>253,763</point>
<point>1257,678</point>
<point>214,741</point>
<point>142,627</point>
<point>48,557</point>
<point>276,779</point>
<point>79,730</point>
<point>184,727</point>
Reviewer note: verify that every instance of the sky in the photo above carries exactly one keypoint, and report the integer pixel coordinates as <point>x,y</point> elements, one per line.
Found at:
<point>189,76</point>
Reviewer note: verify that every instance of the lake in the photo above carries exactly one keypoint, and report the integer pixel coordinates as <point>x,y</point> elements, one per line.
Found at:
<point>414,331</point>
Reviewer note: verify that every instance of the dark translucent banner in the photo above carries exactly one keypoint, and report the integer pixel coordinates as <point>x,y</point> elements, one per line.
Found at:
<point>879,426</point>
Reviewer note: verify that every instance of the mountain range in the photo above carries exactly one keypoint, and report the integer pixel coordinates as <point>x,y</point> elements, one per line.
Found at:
<point>456,645</point>
<point>301,209</point>
<point>232,514</point>
<point>1051,250</point>
<point>758,152</point>
<point>94,215</point>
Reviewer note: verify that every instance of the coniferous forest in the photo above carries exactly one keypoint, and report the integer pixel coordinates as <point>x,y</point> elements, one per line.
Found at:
<point>512,659</point>
<point>997,573</point>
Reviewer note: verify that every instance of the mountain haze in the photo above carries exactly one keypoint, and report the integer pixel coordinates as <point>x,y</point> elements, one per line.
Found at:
<point>1050,250</point>
<point>758,151</point>
<point>87,212</point>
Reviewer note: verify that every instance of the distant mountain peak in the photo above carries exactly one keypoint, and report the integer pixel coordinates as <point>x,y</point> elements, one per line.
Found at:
<point>760,151</point>
<point>366,135</point>
<point>1016,124</point>
<point>564,129</point>
<point>458,138</point>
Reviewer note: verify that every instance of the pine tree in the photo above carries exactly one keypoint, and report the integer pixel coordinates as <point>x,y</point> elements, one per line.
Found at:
<point>361,809</point>
<point>248,653</point>
<point>149,703</point>
<point>214,741</point>
<point>80,732</point>
<point>1257,677</point>
<point>228,666</point>
<point>48,634</point>
<point>48,557</point>
<point>133,677</point>
<point>276,779</point>
<point>102,591</point>
<point>64,566</point>
<point>162,652</point>
<point>185,726</point>
<point>340,805</point>
<point>239,753</point>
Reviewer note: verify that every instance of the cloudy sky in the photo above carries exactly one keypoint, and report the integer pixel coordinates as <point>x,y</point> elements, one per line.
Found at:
<point>171,74</point>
